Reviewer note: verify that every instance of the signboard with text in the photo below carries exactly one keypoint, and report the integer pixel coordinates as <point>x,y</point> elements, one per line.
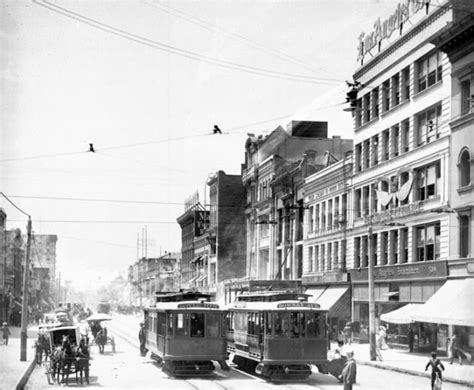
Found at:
<point>429,269</point>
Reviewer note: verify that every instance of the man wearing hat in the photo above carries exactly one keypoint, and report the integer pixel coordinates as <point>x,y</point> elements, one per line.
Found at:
<point>6,333</point>
<point>349,372</point>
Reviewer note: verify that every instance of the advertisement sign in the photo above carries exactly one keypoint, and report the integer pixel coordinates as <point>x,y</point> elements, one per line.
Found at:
<point>429,269</point>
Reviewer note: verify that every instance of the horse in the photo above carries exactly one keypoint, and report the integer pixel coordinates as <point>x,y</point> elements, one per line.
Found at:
<point>62,360</point>
<point>101,339</point>
<point>81,363</point>
<point>41,346</point>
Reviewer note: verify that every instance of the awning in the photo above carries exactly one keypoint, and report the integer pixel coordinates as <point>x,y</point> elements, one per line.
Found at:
<point>450,305</point>
<point>402,315</point>
<point>196,259</point>
<point>335,299</point>
<point>201,278</point>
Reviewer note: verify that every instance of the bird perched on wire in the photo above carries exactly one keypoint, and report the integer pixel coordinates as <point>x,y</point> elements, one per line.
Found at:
<point>91,148</point>
<point>216,130</point>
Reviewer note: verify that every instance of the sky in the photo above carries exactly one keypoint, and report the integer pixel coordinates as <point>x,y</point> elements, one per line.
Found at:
<point>145,81</point>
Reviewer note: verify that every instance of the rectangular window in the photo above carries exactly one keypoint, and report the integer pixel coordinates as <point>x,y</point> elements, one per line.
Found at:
<point>357,203</point>
<point>405,147</point>
<point>466,98</point>
<point>323,215</point>
<point>427,181</point>
<point>366,153</point>
<point>358,113</point>
<point>357,248</point>
<point>365,200</point>
<point>395,140</point>
<point>404,245</point>
<point>358,157</point>
<point>316,258</point>
<point>375,150</point>
<point>406,83</point>
<point>464,222</point>
<point>316,218</point>
<point>344,207</point>
<point>375,102</point>
<point>429,71</point>
<point>386,96</point>
<point>395,90</point>
<point>311,219</point>
<point>428,123</point>
<point>336,255</point>
<point>310,259</point>
<point>394,245</point>
<point>385,145</point>
<point>374,249</point>
<point>329,261</point>
<point>367,108</point>
<point>373,197</point>
<point>330,218</point>
<point>385,248</point>
<point>322,263</point>
<point>365,252</point>
<point>428,242</point>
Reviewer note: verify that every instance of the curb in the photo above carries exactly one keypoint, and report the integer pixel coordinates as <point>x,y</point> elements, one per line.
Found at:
<point>413,372</point>
<point>26,375</point>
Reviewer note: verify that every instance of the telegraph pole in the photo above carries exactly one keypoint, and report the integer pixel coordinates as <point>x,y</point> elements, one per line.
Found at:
<point>24,308</point>
<point>373,352</point>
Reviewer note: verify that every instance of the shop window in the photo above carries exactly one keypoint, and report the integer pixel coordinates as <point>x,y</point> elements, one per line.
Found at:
<point>464,234</point>
<point>466,97</point>
<point>464,169</point>
<point>428,242</point>
<point>427,179</point>
<point>393,292</point>
<point>429,71</point>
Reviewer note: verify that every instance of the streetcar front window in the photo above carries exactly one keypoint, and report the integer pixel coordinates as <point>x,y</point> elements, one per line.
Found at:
<point>180,327</point>
<point>197,325</point>
<point>281,324</point>
<point>313,324</point>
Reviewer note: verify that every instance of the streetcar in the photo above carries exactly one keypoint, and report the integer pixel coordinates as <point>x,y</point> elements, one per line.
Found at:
<point>186,333</point>
<point>277,334</point>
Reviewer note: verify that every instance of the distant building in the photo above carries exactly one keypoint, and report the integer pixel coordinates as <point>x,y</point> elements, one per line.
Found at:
<point>4,298</point>
<point>14,259</point>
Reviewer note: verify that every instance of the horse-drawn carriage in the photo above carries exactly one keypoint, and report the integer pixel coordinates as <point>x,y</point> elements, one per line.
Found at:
<point>69,355</point>
<point>100,335</point>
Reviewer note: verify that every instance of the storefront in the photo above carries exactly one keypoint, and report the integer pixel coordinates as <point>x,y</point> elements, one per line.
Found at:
<point>395,287</point>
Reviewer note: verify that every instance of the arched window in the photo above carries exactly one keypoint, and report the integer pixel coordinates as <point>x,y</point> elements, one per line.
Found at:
<point>464,168</point>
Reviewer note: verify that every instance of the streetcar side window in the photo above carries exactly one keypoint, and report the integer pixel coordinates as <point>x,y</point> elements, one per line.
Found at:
<point>268,324</point>
<point>281,324</point>
<point>180,324</point>
<point>161,324</point>
<point>170,324</point>
<point>212,326</point>
<point>197,325</point>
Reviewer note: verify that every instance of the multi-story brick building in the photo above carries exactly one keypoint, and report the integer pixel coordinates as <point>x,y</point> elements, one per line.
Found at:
<point>402,164</point>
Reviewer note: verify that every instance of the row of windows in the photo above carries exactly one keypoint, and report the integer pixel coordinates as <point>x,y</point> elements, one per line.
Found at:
<point>186,324</point>
<point>396,140</point>
<point>327,257</point>
<point>328,214</point>
<point>395,90</point>
<point>392,247</point>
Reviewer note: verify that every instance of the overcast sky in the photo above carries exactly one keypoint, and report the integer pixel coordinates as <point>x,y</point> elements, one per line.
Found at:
<point>145,82</point>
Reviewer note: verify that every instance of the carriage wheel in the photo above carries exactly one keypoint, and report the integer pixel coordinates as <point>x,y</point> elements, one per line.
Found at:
<point>112,341</point>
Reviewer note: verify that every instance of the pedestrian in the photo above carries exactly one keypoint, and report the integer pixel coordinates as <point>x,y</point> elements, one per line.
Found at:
<point>454,349</point>
<point>411,338</point>
<point>435,365</point>
<point>383,337</point>
<point>6,333</point>
<point>378,346</point>
<point>142,339</point>
<point>349,372</point>
<point>347,333</point>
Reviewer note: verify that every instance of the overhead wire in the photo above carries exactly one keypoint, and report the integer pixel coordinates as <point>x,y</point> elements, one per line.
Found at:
<point>213,27</point>
<point>182,52</point>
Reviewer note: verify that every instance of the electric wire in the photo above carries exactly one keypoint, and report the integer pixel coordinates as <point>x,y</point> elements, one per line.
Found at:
<point>213,27</point>
<point>14,205</point>
<point>181,52</point>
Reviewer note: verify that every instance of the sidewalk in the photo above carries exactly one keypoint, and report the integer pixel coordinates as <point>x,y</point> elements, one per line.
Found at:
<point>13,371</point>
<point>413,363</point>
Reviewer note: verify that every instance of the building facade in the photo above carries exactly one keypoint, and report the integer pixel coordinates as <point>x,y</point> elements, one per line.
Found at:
<point>401,193</point>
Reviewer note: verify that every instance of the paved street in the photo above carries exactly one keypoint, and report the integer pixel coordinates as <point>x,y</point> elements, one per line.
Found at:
<point>126,369</point>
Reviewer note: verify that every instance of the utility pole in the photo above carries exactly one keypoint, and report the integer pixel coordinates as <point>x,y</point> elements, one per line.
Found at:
<point>24,308</point>
<point>373,352</point>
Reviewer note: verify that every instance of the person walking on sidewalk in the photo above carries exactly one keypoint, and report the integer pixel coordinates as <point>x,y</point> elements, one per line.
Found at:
<point>454,349</point>
<point>142,339</point>
<point>411,338</point>
<point>435,365</point>
<point>6,333</point>
<point>349,372</point>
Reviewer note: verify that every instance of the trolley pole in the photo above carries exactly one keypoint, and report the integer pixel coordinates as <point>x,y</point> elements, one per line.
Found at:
<point>373,352</point>
<point>24,307</point>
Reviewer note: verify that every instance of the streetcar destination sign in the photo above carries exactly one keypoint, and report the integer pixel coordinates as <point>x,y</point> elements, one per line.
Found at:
<point>284,305</point>
<point>197,305</point>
